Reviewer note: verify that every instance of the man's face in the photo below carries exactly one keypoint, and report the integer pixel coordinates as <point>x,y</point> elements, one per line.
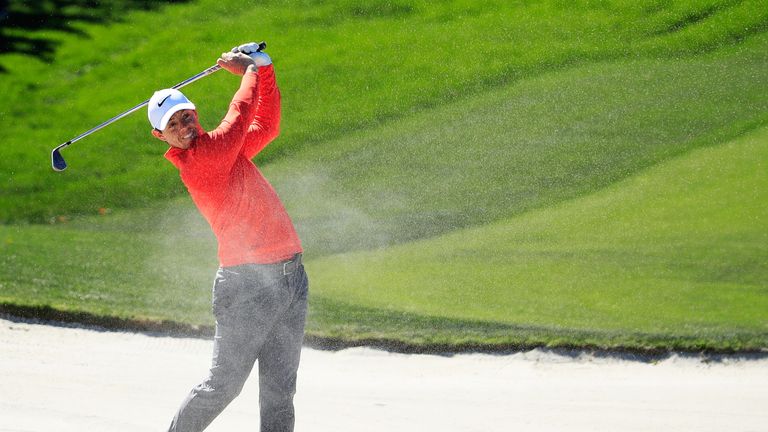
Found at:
<point>182,129</point>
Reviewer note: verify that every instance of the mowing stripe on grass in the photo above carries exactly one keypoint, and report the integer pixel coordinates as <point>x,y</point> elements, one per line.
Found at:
<point>680,250</point>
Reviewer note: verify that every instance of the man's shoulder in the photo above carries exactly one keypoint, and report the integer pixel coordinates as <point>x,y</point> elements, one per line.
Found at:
<point>174,155</point>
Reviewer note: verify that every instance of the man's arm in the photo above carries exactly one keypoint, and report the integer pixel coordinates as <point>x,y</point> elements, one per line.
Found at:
<point>266,123</point>
<point>228,138</point>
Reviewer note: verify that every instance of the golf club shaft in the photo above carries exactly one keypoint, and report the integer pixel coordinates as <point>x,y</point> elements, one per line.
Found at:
<point>189,80</point>
<point>57,160</point>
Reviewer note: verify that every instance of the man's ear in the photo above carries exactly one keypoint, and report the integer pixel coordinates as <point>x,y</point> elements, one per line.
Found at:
<point>157,134</point>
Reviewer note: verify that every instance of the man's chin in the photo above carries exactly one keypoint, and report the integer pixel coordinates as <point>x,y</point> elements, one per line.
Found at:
<point>189,141</point>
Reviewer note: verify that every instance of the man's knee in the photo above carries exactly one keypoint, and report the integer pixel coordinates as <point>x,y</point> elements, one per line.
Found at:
<point>276,396</point>
<point>223,386</point>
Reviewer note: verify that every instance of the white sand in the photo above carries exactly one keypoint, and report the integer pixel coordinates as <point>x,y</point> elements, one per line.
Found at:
<point>58,379</point>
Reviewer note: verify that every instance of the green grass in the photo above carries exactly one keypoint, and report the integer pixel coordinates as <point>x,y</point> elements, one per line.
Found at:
<point>525,146</point>
<point>679,250</point>
<point>343,66</point>
<point>502,174</point>
<point>127,273</point>
<point>668,258</point>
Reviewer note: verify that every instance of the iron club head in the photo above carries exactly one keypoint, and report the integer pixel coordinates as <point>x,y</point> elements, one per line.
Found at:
<point>57,161</point>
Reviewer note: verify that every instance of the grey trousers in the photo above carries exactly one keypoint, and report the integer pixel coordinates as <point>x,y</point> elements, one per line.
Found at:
<point>260,313</point>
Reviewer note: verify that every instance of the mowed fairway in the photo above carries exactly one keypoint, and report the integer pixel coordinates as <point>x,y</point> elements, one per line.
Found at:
<point>674,256</point>
<point>567,190</point>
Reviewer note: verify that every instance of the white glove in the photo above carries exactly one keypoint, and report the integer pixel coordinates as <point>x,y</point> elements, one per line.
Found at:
<point>252,49</point>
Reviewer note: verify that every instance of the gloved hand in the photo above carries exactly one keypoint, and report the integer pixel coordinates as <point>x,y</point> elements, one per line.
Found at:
<point>252,49</point>
<point>237,63</point>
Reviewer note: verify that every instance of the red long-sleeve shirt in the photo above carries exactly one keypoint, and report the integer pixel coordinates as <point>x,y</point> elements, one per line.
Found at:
<point>246,215</point>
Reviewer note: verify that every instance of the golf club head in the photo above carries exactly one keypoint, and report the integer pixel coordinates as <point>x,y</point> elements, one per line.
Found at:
<point>57,161</point>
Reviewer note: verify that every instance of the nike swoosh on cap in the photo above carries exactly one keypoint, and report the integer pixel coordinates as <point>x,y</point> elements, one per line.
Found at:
<point>163,101</point>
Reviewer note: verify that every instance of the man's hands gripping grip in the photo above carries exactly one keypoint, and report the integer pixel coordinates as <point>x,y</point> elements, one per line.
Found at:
<point>243,58</point>
<point>253,50</point>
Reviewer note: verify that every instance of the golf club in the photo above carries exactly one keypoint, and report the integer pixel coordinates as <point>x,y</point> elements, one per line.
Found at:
<point>57,160</point>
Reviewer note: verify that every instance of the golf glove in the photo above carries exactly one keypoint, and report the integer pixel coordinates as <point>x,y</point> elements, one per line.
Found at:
<point>252,49</point>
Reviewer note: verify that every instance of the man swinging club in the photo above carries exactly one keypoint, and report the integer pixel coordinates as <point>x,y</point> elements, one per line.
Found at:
<point>260,290</point>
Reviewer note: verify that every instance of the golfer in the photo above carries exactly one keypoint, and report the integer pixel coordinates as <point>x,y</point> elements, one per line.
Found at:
<point>260,290</point>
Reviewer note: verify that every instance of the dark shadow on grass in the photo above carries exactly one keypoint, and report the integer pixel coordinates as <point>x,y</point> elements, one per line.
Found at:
<point>405,332</point>
<point>694,17</point>
<point>23,24</point>
<point>409,333</point>
<point>78,319</point>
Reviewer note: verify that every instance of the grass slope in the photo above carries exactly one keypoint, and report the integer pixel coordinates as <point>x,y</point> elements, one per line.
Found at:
<point>343,66</point>
<point>547,139</point>
<point>673,257</point>
<point>541,277</point>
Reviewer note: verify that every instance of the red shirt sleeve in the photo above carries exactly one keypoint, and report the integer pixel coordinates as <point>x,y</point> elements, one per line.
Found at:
<point>265,126</point>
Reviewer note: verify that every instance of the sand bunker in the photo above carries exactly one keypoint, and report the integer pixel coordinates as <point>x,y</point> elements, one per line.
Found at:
<point>59,378</point>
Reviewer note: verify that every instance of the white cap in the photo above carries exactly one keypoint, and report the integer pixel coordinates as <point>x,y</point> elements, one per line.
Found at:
<point>163,104</point>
